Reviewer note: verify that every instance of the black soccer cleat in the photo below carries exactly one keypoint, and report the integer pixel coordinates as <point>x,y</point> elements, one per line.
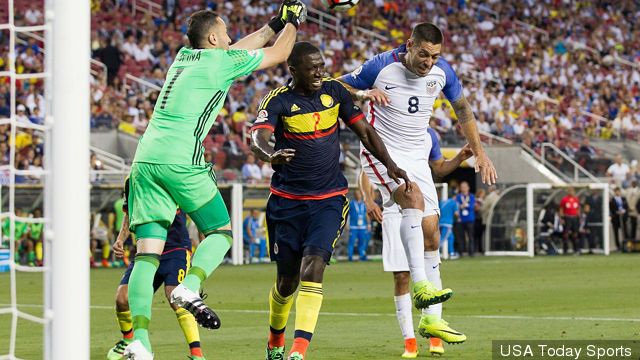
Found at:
<point>192,302</point>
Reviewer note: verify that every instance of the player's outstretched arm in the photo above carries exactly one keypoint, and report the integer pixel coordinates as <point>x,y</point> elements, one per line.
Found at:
<point>255,40</point>
<point>373,210</point>
<point>376,95</point>
<point>294,14</point>
<point>470,131</point>
<point>260,38</point>
<point>373,143</point>
<point>442,167</point>
<point>265,152</point>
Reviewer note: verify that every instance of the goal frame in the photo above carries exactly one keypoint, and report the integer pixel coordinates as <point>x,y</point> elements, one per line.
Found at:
<point>531,221</point>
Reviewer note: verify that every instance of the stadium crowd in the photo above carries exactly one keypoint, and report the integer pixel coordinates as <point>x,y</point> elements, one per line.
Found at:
<point>531,85</point>
<point>575,76</point>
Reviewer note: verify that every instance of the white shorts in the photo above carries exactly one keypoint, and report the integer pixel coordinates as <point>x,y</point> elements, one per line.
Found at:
<point>393,256</point>
<point>417,168</point>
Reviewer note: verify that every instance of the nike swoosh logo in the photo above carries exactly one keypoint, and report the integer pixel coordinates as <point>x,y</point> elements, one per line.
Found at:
<point>413,227</point>
<point>389,87</point>
<point>451,332</point>
<point>435,266</point>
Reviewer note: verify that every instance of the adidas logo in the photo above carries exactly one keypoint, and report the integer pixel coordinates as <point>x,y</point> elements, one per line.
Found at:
<point>294,108</point>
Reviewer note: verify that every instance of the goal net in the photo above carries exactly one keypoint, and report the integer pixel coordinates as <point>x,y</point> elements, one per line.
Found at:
<point>526,221</point>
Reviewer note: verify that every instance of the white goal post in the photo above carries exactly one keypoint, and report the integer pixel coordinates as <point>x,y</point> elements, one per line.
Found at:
<point>513,227</point>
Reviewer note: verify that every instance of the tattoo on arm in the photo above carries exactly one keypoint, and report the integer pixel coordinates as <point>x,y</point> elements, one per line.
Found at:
<point>463,110</point>
<point>265,34</point>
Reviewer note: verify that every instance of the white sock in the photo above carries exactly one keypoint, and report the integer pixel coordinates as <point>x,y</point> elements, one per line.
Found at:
<point>432,270</point>
<point>403,313</point>
<point>413,242</point>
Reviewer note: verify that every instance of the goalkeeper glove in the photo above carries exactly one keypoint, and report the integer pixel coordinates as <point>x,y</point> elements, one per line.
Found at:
<point>278,22</point>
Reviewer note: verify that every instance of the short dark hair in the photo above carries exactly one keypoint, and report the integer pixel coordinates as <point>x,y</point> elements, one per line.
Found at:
<point>198,27</point>
<point>300,50</point>
<point>428,32</point>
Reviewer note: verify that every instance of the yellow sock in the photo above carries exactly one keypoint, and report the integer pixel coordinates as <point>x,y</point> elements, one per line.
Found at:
<point>279,308</point>
<point>106,250</point>
<point>125,323</point>
<point>190,330</point>
<point>38,249</point>
<point>308,306</point>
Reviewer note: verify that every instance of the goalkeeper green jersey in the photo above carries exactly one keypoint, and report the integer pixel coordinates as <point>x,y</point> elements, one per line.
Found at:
<point>193,93</point>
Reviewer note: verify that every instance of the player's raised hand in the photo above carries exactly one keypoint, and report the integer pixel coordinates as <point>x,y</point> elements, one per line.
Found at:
<point>294,12</point>
<point>377,96</point>
<point>396,174</point>
<point>466,152</point>
<point>282,156</point>
<point>486,169</point>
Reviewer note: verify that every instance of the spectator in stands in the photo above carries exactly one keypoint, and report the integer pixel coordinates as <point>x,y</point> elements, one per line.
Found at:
<point>483,125</point>
<point>33,15</point>
<point>130,47</point>
<point>5,111</point>
<point>34,99</point>
<point>239,119</point>
<point>570,213</point>
<point>110,56</point>
<point>36,116</point>
<point>251,172</point>
<point>171,9</point>
<point>466,211</point>
<point>618,171</point>
<point>231,146</point>
<point>36,165</point>
<point>587,149</point>
<point>267,172</point>
<point>632,194</point>
<point>619,212</point>
<point>21,115</point>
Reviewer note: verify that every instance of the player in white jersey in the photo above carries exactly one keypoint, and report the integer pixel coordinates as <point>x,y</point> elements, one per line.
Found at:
<point>405,82</point>
<point>394,258</point>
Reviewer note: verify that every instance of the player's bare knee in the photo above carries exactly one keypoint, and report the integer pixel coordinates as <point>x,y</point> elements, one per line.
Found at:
<point>410,200</point>
<point>287,285</point>
<point>401,282</point>
<point>312,268</point>
<point>431,231</point>
<point>122,299</point>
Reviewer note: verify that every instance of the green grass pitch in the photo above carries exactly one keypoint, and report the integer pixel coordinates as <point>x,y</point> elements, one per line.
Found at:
<point>587,297</point>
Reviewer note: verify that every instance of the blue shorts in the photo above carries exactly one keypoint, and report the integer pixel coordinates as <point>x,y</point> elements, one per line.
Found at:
<point>298,228</point>
<point>172,270</point>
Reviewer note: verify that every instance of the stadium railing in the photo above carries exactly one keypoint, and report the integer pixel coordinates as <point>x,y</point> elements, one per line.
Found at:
<point>148,7</point>
<point>578,173</point>
<point>129,79</point>
<point>323,19</point>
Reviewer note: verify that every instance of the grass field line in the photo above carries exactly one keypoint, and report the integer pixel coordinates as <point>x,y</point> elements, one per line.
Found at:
<point>369,314</point>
